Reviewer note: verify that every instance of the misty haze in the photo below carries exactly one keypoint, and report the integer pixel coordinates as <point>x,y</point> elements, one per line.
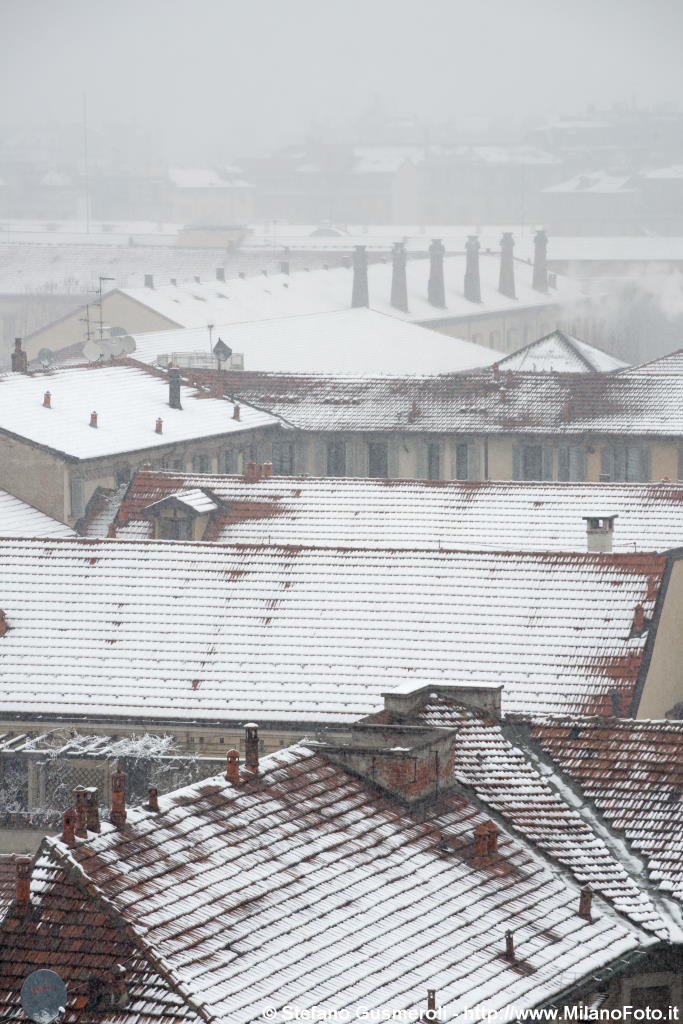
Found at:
<point>341,511</point>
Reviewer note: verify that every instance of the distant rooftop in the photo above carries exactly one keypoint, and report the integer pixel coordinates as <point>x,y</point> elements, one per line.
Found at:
<point>561,353</point>
<point>17,519</point>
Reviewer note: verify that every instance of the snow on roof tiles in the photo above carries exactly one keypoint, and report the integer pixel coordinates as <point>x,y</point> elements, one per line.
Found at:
<point>463,515</point>
<point>128,400</point>
<point>346,340</point>
<point>156,629</point>
<point>308,887</point>
<point>560,353</point>
<point>632,771</point>
<point>671,363</point>
<point>319,291</point>
<point>473,402</point>
<point>17,519</point>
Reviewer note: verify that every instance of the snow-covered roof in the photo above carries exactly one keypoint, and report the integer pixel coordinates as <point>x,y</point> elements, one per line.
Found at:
<point>596,182</point>
<point>203,177</point>
<point>194,498</point>
<point>607,248</point>
<point>318,291</point>
<point>561,353</point>
<point>668,364</point>
<point>17,519</point>
<point>128,401</point>
<point>465,515</point>
<point>632,772</point>
<point>473,402</point>
<point>307,887</point>
<point>348,340</point>
<point>672,173</point>
<point>160,630</point>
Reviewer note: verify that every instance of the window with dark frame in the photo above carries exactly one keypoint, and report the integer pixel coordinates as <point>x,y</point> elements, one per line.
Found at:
<point>461,462</point>
<point>378,459</point>
<point>434,461</point>
<point>336,458</point>
<point>283,458</point>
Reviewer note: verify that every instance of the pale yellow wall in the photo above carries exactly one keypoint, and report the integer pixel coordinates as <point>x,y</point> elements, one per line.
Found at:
<point>664,684</point>
<point>34,475</point>
<point>117,311</point>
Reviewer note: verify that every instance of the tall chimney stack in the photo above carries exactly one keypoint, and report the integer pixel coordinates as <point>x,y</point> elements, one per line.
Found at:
<point>174,388</point>
<point>251,747</point>
<point>118,798</point>
<point>359,294</point>
<point>220,273</point>
<point>506,282</point>
<point>599,533</point>
<point>399,283</point>
<point>92,809</point>
<point>232,766</point>
<point>22,898</point>
<point>472,285</point>
<point>540,279</point>
<point>19,358</point>
<point>436,289</point>
<point>81,826</point>
<point>68,826</point>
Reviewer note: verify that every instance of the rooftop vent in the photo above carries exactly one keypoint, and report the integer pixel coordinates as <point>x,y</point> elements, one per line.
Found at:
<point>47,399</point>
<point>599,533</point>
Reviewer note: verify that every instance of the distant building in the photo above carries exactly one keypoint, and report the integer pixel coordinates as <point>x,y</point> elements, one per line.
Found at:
<point>561,353</point>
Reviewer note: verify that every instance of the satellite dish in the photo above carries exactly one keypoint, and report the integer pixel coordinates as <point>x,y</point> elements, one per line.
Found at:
<point>116,332</point>
<point>43,996</point>
<point>106,347</point>
<point>221,350</point>
<point>46,356</point>
<point>116,346</point>
<point>128,344</point>
<point>91,351</point>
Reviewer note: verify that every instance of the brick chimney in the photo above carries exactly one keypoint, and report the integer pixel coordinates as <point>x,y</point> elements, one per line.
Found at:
<point>585,902</point>
<point>153,799</point>
<point>236,412</point>
<point>359,293</point>
<point>47,399</point>
<point>638,619</point>
<point>68,826</point>
<point>93,419</point>
<point>436,288</point>
<point>491,838</point>
<point>92,809</point>
<point>3,623</point>
<point>506,282</point>
<point>232,766</point>
<point>220,273</point>
<point>399,283</point>
<point>250,471</point>
<point>251,747</point>
<point>118,798</point>
<point>599,533</point>
<point>118,989</point>
<point>81,814</point>
<point>19,358</point>
<point>267,470</point>
<point>540,278</point>
<point>159,426</point>
<point>174,388</point>
<point>481,835</point>
<point>472,284</point>
<point>22,896</point>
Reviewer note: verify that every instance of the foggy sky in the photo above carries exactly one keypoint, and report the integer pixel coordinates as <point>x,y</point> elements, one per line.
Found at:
<point>215,77</point>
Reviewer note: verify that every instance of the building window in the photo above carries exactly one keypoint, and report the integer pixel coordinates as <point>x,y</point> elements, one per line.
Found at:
<point>494,339</point>
<point>378,459</point>
<point>283,458</point>
<point>174,529</point>
<point>201,464</point>
<point>336,458</point>
<point>248,454</point>
<point>532,462</point>
<point>228,461</point>
<point>434,461</point>
<point>77,494</point>
<point>461,462</point>
<point>630,463</point>
<point>571,462</point>
<point>122,475</point>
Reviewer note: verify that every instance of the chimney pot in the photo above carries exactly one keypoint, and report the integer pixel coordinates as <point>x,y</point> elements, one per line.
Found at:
<point>506,281</point>
<point>481,834</point>
<point>23,884</point>
<point>540,276</point>
<point>359,293</point>
<point>510,946</point>
<point>652,587</point>
<point>250,471</point>
<point>119,989</point>
<point>496,371</point>
<point>93,419</point>
<point>68,826</point>
<point>92,809</point>
<point>111,530</point>
<point>492,838</point>
<point>220,273</point>
<point>174,388</point>
<point>259,470</point>
<point>251,744</point>
<point>159,428</point>
<point>585,901</point>
<point>149,281</point>
<point>267,470</point>
<point>638,619</point>
<point>436,288</point>
<point>236,412</point>
<point>146,466</point>
<point>153,801</point>
<point>19,358</point>
<point>472,283</point>
<point>399,281</point>
<point>232,766</point>
<point>118,798</point>
<point>47,398</point>
<point>3,623</point>
<point>81,829</point>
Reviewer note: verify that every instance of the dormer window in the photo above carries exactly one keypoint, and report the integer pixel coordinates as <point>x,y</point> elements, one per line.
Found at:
<point>184,515</point>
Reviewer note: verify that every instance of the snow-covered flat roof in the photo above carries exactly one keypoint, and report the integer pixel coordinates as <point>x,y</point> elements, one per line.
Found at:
<point>127,399</point>
<point>318,291</point>
<point>469,515</point>
<point>17,519</point>
<point>170,630</point>
<point>348,340</point>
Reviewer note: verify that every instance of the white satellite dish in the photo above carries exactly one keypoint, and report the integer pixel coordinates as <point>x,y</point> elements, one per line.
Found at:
<point>128,343</point>
<point>46,357</point>
<point>91,351</point>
